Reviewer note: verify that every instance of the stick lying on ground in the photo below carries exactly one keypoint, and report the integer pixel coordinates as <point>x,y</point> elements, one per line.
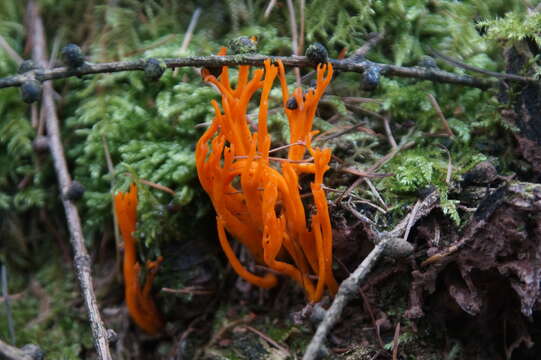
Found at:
<point>81,257</point>
<point>389,243</point>
<point>349,65</point>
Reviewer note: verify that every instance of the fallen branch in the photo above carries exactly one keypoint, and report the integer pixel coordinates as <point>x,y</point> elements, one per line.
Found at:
<point>81,257</point>
<point>348,65</point>
<point>386,243</point>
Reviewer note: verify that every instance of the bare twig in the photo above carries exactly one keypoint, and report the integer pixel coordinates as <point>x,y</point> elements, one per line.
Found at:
<point>346,291</point>
<point>191,28</point>
<point>81,257</point>
<point>357,214</point>
<point>349,287</point>
<point>368,308</point>
<point>294,36</point>
<point>345,65</point>
<point>375,192</point>
<point>191,290</point>
<point>389,133</point>
<point>410,220</point>
<point>347,130</point>
<point>28,352</point>
<point>300,47</point>
<point>269,8</point>
<point>5,294</point>
<point>437,107</point>
<point>396,341</point>
<point>373,40</point>
<point>268,339</point>
<point>449,165</point>
<point>364,173</point>
<point>12,53</point>
<point>158,186</point>
<point>460,64</point>
<point>189,33</point>
<point>360,100</point>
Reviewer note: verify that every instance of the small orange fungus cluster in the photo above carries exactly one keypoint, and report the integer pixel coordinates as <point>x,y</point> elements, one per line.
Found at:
<point>257,197</point>
<point>141,306</point>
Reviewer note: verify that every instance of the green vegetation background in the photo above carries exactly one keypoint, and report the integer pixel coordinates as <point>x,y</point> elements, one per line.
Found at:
<point>149,128</point>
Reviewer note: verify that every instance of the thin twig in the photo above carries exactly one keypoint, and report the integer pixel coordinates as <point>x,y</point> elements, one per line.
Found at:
<point>375,192</point>
<point>449,164</point>
<point>410,220</point>
<point>9,352</point>
<point>444,122</point>
<point>218,335</point>
<point>368,308</point>
<point>191,290</point>
<point>294,36</point>
<point>7,303</point>
<point>345,65</point>
<point>191,28</point>
<point>189,33</point>
<point>357,214</point>
<point>158,186</point>
<point>81,257</point>
<point>460,64</point>
<point>390,155</point>
<point>389,133</point>
<point>360,100</point>
<point>300,47</point>
<point>396,341</point>
<point>12,53</point>
<point>373,40</point>
<point>349,287</point>
<point>347,130</point>
<point>269,8</point>
<point>268,339</point>
<point>364,173</point>
<point>345,293</point>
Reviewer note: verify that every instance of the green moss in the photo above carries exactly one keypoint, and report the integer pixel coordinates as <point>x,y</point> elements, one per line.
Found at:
<point>514,27</point>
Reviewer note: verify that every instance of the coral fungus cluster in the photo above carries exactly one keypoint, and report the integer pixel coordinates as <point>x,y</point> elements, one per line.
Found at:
<point>141,306</point>
<point>257,197</point>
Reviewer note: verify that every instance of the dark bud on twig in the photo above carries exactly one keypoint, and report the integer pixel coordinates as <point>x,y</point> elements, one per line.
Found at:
<point>242,45</point>
<point>73,56</point>
<point>317,53</point>
<point>483,173</point>
<point>75,191</point>
<point>154,69</point>
<point>26,66</point>
<point>428,62</point>
<point>370,78</point>
<point>40,144</point>
<point>31,91</point>
<point>291,103</point>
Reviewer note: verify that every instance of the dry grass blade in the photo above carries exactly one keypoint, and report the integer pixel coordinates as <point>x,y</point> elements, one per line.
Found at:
<point>268,339</point>
<point>437,107</point>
